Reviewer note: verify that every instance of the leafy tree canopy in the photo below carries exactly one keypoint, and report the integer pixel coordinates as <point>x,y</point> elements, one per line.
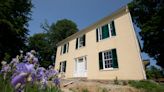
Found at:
<point>14,17</point>
<point>45,43</point>
<point>59,31</point>
<point>41,44</point>
<point>148,15</point>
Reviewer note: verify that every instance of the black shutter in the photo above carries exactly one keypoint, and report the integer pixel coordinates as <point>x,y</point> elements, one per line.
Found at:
<point>64,64</point>
<point>100,61</point>
<point>112,26</point>
<point>84,40</point>
<point>61,50</point>
<point>60,67</point>
<point>115,62</point>
<point>76,43</point>
<point>97,35</point>
<point>67,47</point>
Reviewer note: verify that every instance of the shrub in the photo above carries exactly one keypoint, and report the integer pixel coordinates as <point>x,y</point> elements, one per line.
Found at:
<point>124,83</point>
<point>116,81</point>
<point>153,73</point>
<point>85,90</point>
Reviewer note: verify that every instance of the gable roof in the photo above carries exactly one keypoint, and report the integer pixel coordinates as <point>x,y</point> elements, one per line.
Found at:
<point>95,25</point>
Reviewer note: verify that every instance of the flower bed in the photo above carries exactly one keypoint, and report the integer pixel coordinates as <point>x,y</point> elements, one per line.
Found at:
<point>23,74</point>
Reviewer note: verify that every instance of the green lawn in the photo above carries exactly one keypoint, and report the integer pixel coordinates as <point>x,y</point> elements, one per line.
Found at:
<point>147,86</point>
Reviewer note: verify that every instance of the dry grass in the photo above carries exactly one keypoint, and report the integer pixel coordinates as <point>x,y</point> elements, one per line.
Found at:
<point>97,86</point>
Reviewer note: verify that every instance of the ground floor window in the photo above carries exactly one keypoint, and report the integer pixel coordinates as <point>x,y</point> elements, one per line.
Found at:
<point>62,66</point>
<point>108,59</point>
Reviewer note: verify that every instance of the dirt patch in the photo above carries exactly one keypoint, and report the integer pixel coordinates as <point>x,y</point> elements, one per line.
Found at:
<point>94,86</point>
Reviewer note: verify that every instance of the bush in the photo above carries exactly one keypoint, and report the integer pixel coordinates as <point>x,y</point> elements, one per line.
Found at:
<point>153,73</point>
<point>116,81</point>
<point>148,86</point>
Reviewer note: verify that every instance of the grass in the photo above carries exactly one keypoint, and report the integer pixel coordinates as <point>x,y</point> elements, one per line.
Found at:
<point>147,86</point>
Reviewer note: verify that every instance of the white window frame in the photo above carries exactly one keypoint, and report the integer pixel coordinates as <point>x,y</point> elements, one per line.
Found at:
<point>62,66</point>
<point>106,59</point>
<point>80,41</point>
<point>62,48</point>
<point>100,32</point>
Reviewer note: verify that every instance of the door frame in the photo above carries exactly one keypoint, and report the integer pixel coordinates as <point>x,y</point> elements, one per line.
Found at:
<point>76,60</point>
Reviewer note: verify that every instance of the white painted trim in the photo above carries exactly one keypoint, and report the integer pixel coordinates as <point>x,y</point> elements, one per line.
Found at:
<point>75,69</point>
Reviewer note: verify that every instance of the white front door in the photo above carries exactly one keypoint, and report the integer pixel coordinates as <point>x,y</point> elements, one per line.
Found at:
<point>80,70</point>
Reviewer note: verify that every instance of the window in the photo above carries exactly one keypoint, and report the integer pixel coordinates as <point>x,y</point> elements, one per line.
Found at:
<point>80,42</point>
<point>105,31</point>
<point>64,48</point>
<point>62,67</point>
<point>108,60</point>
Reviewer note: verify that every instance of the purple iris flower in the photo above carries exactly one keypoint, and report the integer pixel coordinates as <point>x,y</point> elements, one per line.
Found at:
<point>51,73</point>
<point>24,67</point>
<point>35,60</point>
<point>29,67</point>
<point>21,78</point>
<point>56,81</point>
<point>21,68</point>
<point>40,73</point>
<point>5,68</point>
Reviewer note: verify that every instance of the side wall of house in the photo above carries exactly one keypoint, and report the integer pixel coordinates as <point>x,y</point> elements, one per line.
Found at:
<point>125,42</point>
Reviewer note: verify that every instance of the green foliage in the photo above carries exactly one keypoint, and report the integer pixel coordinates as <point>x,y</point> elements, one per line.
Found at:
<point>7,57</point>
<point>6,87</point>
<point>148,86</point>
<point>104,90</point>
<point>85,90</point>
<point>148,15</point>
<point>41,44</point>
<point>45,64</point>
<point>58,31</point>
<point>61,30</point>
<point>153,73</point>
<point>14,17</point>
<point>36,88</point>
<point>116,81</point>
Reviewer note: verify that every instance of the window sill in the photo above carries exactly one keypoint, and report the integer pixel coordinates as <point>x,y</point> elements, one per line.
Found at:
<point>80,48</point>
<point>63,53</point>
<point>110,69</point>
<point>106,38</point>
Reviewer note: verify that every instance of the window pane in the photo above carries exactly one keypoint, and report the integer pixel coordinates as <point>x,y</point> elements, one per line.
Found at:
<point>64,50</point>
<point>105,32</point>
<point>81,41</point>
<point>108,63</point>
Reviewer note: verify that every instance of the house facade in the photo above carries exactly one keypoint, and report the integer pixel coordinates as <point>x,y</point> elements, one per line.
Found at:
<point>103,51</point>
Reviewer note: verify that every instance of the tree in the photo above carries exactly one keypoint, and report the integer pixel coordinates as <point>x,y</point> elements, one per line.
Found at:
<point>14,17</point>
<point>153,73</point>
<point>41,44</point>
<point>59,31</point>
<point>148,15</point>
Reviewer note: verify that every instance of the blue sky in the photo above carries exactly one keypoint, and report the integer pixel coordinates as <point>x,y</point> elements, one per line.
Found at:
<point>82,12</point>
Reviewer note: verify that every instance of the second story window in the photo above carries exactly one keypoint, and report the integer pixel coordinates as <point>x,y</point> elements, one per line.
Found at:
<point>64,48</point>
<point>80,42</point>
<point>105,31</point>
